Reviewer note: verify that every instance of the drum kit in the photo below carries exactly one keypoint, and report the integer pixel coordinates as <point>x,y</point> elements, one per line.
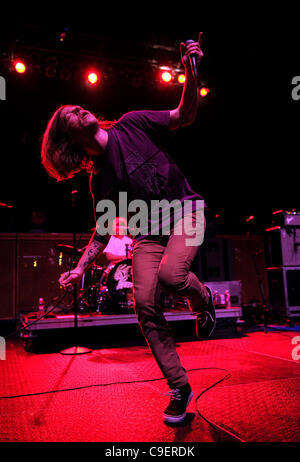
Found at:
<point>106,288</point>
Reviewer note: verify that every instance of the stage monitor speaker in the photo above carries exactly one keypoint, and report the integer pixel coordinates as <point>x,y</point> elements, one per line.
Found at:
<point>282,247</point>
<point>284,290</point>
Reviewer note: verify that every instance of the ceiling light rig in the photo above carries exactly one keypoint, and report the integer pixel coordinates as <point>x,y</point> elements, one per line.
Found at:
<point>204,91</point>
<point>83,69</point>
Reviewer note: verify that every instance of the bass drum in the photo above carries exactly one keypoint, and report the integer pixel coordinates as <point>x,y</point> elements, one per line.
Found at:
<point>119,283</point>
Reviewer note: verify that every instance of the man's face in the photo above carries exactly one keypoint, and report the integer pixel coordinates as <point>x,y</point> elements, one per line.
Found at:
<point>78,119</point>
<point>119,227</point>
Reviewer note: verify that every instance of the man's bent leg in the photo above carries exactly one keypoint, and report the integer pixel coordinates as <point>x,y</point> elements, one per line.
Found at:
<point>147,256</point>
<point>174,270</point>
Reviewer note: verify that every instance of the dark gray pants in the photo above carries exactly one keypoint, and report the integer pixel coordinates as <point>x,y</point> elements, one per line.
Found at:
<point>165,262</point>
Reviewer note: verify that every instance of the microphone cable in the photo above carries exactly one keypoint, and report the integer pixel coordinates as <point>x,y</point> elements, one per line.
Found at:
<point>20,329</point>
<point>214,425</point>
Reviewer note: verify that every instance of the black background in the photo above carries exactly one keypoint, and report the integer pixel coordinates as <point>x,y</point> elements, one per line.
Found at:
<point>241,154</point>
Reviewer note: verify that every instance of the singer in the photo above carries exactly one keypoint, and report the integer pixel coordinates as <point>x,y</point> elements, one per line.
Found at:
<point>126,156</point>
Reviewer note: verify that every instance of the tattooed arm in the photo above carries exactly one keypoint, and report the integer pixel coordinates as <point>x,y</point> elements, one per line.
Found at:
<point>91,252</point>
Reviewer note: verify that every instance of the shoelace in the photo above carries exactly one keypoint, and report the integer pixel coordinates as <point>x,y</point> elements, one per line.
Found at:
<point>174,393</point>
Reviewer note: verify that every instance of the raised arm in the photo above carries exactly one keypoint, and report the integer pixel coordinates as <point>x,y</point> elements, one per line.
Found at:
<point>185,114</point>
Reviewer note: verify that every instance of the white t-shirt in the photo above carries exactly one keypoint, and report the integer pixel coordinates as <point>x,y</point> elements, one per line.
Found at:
<point>117,246</point>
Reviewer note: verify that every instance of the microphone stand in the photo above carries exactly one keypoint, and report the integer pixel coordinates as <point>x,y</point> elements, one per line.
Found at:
<point>75,350</point>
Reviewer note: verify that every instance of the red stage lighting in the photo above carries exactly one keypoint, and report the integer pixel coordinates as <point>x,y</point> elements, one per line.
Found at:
<point>181,78</point>
<point>166,76</point>
<point>20,67</point>
<point>93,78</point>
<point>204,91</point>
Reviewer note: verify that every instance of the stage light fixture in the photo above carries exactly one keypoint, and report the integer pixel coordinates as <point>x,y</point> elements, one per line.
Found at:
<point>93,78</point>
<point>166,76</point>
<point>204,91</point>
<point>20,67</point>
<point>181,78</point>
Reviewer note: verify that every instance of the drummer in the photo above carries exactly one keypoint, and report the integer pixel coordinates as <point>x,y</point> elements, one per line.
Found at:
<point>120,244</point>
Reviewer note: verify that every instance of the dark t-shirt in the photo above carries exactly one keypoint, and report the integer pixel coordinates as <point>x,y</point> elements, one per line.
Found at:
<point>133,162</point>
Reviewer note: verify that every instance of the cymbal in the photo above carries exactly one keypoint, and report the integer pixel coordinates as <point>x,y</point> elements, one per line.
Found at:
<point>68,249</point>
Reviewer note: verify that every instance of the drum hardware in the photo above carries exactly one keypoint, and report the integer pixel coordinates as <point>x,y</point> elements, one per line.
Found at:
<point>129,251</point>
<point>69,250</point>
<point>107,290</point>
<point>172,302</point>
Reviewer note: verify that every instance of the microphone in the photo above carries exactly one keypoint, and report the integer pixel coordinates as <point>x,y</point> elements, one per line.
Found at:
<point>193,60</point>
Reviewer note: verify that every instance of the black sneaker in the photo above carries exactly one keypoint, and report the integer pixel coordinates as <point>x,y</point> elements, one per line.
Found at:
<point>180,399</point>
<point>206,319</point>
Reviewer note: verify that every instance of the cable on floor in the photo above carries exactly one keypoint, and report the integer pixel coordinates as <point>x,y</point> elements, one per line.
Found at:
<point>212,424</point>
<point>17,331</point>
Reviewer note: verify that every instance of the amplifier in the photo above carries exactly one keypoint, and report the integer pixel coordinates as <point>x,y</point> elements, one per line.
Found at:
<point>285,218</point>
<point>30,266</point>
<point>282,246</point>
<point>284,290</point>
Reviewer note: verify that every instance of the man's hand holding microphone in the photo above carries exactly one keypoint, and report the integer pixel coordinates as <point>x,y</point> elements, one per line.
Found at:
<point>191,54</point>
<point>68,279</point>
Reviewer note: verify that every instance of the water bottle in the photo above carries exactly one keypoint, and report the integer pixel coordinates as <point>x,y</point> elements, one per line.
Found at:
<point>216,298</point>
<point>222,301</point>
<point>227,299</point>
<point>41,306</point>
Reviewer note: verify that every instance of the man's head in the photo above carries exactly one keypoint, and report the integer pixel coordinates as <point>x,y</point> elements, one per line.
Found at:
<point>66,141</point>
<point>119,226</point>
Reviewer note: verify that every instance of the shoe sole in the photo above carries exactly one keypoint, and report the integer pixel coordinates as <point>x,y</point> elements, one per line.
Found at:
<point>178,418</point>
<point>213,319</point>
<point>210,332</point>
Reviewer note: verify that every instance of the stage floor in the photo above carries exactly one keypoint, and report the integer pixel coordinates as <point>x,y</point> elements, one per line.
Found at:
<point>117,394</point>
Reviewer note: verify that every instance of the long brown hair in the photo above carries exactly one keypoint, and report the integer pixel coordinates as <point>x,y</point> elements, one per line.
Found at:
<point>61,156</point>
